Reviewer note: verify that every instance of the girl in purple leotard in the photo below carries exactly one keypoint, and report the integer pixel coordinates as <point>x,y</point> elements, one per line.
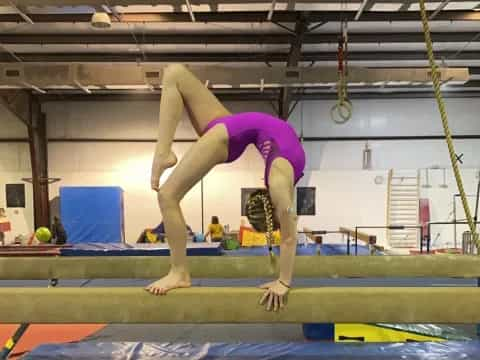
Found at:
<point>271,136</point>
<point>223,137</point>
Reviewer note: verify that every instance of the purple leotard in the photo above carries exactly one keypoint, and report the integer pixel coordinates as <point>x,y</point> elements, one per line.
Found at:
<point>273,137</point>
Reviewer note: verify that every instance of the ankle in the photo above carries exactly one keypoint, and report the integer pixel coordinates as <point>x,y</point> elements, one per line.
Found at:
<point>181,271</point>
<point>164,153</point>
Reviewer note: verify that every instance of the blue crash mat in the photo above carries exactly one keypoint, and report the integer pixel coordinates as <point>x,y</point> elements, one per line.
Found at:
<point>118,249</point>
<point>197,249</point>
<point>310,249</point>
<point>452,350</point>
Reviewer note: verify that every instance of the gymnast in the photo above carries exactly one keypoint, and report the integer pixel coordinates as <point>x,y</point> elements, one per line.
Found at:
<point>223,137</point>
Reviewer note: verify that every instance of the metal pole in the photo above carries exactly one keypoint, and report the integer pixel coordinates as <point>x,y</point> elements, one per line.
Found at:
<point>478,195</point>
<point>454,221</point>
<point>421,238</point>
<point>11,342</point>
<point>356,240</point>
<point>348,243</point>
<point>428,246</point>
<point>201,204</point>
<point>478,325</point>
<point>429,235</point>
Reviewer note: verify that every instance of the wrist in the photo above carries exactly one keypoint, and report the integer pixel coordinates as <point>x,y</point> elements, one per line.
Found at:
<point>284,283</point>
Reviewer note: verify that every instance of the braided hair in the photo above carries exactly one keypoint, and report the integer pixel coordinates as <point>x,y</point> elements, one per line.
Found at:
<point>259,210</point>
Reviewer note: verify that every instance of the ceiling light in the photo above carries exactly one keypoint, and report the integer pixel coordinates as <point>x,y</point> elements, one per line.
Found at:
<point>101,20</point>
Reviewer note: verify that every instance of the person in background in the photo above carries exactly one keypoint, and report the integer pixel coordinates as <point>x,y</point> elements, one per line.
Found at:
<point>159,232</point>
<point>215,230</point>
<point>59,235</point>
<point>4,225</point>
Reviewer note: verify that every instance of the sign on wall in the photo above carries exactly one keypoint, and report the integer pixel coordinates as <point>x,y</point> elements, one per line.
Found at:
<point>305,201</point>
<point>15,195</point>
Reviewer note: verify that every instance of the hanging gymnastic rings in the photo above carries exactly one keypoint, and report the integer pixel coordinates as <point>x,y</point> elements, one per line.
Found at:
<point>341,112</point>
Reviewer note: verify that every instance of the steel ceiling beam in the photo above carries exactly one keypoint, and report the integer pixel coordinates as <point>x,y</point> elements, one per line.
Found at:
<point>250,16</point>
<point>233,56</point>
<point>96,3</point>
<point>406,5</point>
<point>475,71</point>
<point>363,7</point>
<point>195,38</point>
<point>50,76</point>
<point>265,96</point>
<point>439,9</point>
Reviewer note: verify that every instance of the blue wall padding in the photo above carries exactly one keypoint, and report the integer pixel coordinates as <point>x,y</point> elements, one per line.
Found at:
<point>92,214</point>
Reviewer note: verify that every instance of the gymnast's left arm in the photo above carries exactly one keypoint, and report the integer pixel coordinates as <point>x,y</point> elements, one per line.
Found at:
<point>276,291</point>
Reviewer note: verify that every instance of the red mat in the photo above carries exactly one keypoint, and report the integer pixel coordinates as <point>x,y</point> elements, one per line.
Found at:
<point>43,333</point>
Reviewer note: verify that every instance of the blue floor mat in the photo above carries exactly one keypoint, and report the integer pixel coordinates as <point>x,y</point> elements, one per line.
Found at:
<point>452,350</point>
<point>310,249</point>
<point>121,249</point>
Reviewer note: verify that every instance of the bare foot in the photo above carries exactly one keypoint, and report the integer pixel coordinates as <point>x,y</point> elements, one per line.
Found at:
<point>173,280</point>
<point>160,164</point>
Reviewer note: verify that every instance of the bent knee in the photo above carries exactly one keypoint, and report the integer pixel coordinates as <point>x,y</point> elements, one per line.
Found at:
<point>286,212</point>
<point>167,196</point>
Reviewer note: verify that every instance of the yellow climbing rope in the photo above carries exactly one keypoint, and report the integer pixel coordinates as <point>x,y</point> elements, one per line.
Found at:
<point>446,128</point>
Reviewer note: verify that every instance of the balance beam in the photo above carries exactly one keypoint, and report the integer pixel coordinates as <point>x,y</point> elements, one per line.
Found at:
<point>150,267</point>
<point>239,305</point>
<point>360,235</point>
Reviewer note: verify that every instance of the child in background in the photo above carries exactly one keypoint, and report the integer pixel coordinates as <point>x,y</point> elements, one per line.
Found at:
<point>4,225</point>
<point>59,234</point>
<point>215,230</point>
<point>157,234</point>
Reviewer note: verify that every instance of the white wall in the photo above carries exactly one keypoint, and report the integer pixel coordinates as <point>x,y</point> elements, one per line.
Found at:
<point>389,117</point>
<point>15,165</point>
<point>346,195</point>
<point>10,127</point>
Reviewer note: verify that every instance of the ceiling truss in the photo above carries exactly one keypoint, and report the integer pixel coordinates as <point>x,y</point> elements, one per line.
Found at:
<point>375,48</point>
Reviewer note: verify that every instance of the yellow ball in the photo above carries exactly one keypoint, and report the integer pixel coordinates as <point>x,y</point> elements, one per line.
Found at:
<point>43,234</point>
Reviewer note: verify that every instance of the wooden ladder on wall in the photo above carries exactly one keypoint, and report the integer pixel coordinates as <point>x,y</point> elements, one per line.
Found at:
<point>403,207</point>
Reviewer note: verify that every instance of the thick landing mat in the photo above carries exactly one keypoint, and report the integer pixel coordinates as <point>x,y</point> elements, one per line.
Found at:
<point>121,249</point>
<point>468,350</point>
<point>42,333</point>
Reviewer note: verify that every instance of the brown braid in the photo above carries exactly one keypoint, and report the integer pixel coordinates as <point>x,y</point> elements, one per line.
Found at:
<point>260,214</point>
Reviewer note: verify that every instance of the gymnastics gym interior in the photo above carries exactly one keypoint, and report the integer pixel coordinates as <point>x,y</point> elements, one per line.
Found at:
<point>383,96</point>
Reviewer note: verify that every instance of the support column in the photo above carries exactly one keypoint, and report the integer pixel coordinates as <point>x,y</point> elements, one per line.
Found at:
<point>294,56</point>
<point>37,135</point>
